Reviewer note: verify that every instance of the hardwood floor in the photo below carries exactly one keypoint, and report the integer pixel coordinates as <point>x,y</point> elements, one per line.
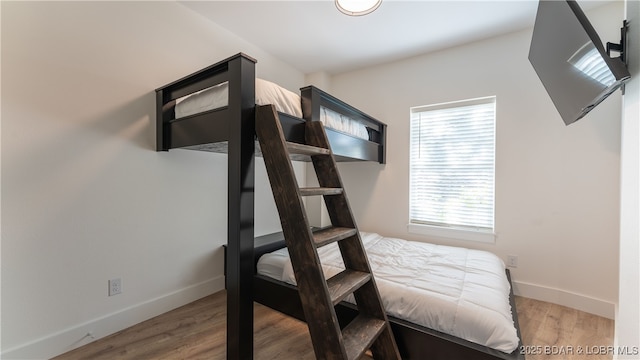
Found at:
<point>198,331</point>
<point>552,331</point>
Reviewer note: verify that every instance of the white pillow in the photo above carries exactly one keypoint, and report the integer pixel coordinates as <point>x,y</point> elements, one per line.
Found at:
<point>285,101</point>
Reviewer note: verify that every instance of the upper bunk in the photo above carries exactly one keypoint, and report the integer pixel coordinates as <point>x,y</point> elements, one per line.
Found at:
<point>198,112</point>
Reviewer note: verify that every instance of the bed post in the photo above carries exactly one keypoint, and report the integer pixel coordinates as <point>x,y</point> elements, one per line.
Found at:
<point>240,241</point>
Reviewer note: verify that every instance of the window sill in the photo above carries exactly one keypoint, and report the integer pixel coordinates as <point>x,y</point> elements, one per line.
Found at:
<point>481,236</point>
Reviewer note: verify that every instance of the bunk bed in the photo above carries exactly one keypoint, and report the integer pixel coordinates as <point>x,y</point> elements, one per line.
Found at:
<point>229,127</point>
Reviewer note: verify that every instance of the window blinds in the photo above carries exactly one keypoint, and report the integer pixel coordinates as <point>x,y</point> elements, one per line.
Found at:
<point>452,164</point>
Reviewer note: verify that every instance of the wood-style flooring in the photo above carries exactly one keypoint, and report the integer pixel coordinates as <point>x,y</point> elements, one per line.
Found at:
<point>563,333</point>
<point>198,331</point>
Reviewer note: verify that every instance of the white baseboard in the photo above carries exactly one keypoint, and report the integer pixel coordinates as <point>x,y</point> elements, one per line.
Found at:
<point>565,298</point>
<point>76,336</point>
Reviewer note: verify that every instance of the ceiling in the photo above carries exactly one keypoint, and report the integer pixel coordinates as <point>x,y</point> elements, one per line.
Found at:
<point>313,36</point>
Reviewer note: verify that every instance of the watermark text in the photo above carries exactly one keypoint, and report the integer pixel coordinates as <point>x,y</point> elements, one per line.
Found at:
<point>578,350</point>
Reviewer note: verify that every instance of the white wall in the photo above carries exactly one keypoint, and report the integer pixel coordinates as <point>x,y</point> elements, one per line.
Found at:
<point>557,187</point>
<point>85,198</point>
<point>627,332</point>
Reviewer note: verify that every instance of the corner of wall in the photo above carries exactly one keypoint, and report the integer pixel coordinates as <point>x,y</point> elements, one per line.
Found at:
<point>320,79</point>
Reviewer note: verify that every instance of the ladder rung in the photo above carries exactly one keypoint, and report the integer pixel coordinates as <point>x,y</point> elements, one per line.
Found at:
<point>346,282</point>
<point>295,148</point>
<point>360,334</point>
<point>320,191</point>
<point>333,234</point>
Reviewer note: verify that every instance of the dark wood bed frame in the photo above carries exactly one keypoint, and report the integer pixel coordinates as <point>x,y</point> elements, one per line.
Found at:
<point>414,341</point>
<point>234,127</point>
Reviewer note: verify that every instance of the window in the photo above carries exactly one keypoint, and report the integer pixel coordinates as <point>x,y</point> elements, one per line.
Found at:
<point>452,166</point>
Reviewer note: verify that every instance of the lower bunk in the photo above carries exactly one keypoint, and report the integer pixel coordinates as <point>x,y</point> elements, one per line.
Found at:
<point>501,340</point>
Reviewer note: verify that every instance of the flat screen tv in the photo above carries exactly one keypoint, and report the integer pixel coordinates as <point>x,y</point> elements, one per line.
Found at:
<point>571,61</point>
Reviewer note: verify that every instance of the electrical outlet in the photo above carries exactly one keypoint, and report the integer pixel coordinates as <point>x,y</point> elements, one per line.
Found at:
<point>512,261</point>
<point>115,286</point>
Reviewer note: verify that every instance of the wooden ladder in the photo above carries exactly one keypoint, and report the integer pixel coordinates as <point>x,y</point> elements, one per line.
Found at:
<point>370,329</point>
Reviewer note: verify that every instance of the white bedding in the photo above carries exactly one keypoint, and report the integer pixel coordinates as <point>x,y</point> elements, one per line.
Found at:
<point>458,291</point>
<point>266,93</point>
<point>218,96</point>
<point>337,121</point>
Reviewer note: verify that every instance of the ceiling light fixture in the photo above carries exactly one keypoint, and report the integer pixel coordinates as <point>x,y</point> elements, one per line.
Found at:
<point>357,7</point>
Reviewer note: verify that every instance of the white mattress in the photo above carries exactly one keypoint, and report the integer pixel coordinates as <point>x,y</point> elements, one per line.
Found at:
<point>337,121</point>
<point>218,96</point>
<point>266,93</point>
<point>458,291</point>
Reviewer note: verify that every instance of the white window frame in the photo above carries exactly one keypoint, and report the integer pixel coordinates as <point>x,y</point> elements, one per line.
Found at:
<point>485,234</point>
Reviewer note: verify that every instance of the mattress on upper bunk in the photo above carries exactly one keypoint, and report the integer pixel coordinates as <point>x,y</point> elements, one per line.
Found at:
<point>457,291</point>
<point>267,93</point>
<point>337,121</point>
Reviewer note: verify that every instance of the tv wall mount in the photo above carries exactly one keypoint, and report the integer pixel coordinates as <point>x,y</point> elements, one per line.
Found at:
<point>620,47</point>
